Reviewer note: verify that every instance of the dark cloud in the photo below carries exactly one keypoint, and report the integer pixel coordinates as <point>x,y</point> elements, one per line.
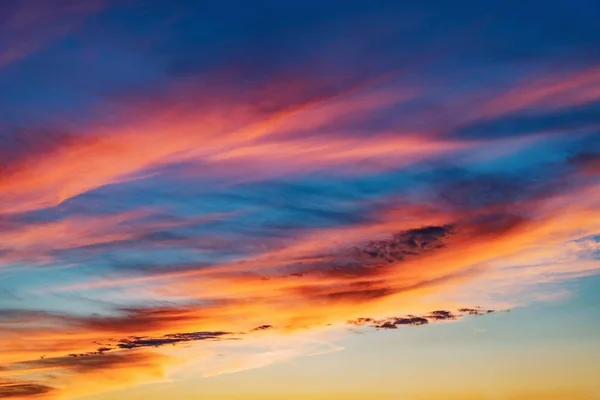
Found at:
<point>137,342</point>
<point>412,320</point>
<point>474,311</point>
<point>390,323</point>
<point>412,242</point>
<point>393,323</point>
<point>371,259</point>
<point>441,315</point>
<point>144,341</point>
<point>262,328</point>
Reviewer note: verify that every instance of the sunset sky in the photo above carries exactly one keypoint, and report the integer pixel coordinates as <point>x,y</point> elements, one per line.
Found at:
<point>299,200</point>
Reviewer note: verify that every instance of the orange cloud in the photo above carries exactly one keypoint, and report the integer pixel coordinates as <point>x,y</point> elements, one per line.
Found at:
<point>67,377</point>
<point>293,288</point>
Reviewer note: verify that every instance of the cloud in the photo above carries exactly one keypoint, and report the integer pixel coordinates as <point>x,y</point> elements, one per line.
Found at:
<point>173,338</point>
<point>441,315</point>
<point>18,389</point>
<point>409,243</point>
<point>67,376</point>
<point>262,328</point>
<point>411,320</point>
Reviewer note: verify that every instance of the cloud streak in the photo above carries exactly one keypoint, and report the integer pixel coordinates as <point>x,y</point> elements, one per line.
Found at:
<point>412,320</point>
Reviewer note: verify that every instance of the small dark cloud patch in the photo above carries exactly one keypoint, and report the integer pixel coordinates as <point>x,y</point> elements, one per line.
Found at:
<point>361,321</point>
<point>373,258</point>
<point>441,315</point>
<point>412,320</point>
<point>390,323</point>
<point>365,265</point>
<point>474,311</point>
<point>262,328</point>
<point>408,243</point>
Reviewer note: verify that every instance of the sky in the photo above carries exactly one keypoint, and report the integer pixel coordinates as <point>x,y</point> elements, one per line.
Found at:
<point>299,200</point>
